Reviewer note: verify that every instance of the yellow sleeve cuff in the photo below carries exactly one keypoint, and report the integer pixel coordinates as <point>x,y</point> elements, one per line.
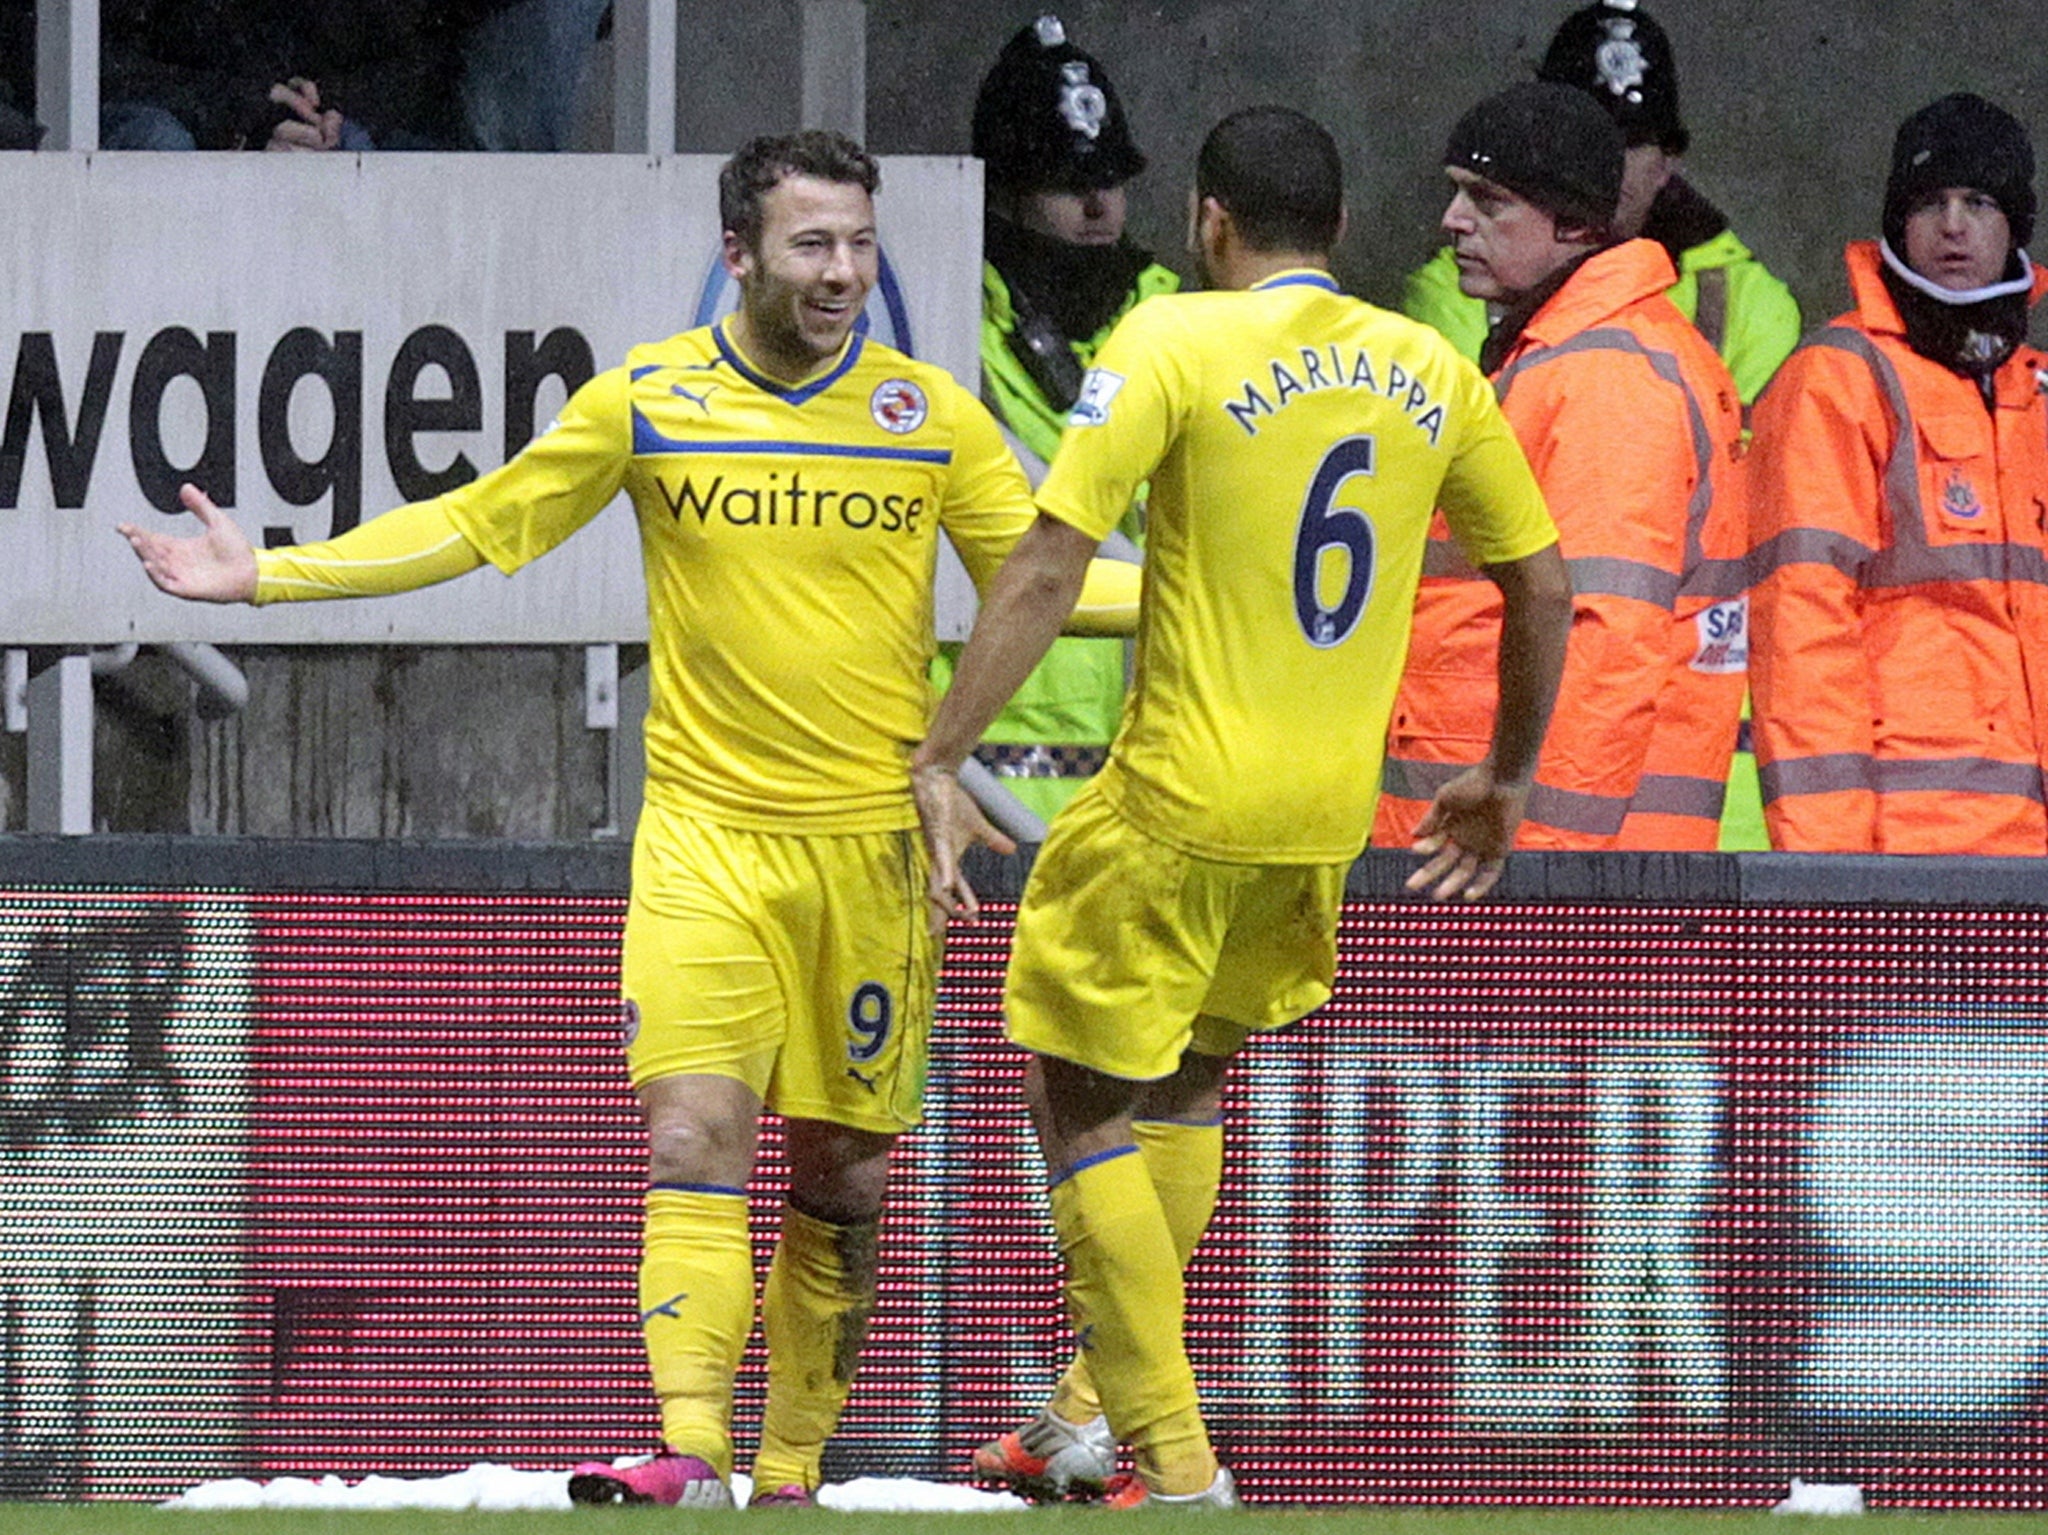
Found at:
<point>1108,603</point>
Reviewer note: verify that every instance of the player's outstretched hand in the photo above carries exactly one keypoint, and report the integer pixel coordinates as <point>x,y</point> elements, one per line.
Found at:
<point>952,824</point>
<point>1466,835</point>
<point>217,565</point>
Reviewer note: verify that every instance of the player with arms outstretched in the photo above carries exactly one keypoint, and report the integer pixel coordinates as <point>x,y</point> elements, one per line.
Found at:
<point>790,478</point>
<point>1296,442</point>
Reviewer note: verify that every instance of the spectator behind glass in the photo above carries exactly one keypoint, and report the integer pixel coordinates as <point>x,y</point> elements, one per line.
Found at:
<point>521,68</point>
<point>249,74</point>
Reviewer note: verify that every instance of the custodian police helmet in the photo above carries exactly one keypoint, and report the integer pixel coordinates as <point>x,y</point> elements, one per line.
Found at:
<point>1048,118</point>
<point>1615,51</point>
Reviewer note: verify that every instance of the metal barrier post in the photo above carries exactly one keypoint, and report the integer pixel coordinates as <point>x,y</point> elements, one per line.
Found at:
<point>68,72</point>
<point>835,66</point>
<point>59,740</point>
<point>644,77</point>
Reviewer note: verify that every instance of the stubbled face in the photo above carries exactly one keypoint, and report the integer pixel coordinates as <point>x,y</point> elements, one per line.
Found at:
<point>1645,170</point>
<point>1504,244</point>
<point>1958,238</point>
<point>804,284</point>
<point>1095,217</point>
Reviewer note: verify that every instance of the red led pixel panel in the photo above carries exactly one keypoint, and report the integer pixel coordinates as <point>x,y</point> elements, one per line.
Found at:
<point>1552,1203</point>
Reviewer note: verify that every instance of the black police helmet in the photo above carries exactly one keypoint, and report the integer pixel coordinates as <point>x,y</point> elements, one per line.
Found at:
<point>1047,117</point>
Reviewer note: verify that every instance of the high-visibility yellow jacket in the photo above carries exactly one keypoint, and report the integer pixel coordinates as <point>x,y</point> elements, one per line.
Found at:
<point>1632,425</point>
<point>1054,731</point>
<point>1900,612</point>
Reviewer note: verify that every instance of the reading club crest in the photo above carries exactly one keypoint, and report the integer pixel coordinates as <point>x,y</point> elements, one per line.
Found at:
<point>898,406</point>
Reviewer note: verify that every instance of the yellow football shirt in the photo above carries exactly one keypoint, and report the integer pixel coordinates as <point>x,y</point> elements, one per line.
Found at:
<point>789,536</point>
<point>1297,442</point>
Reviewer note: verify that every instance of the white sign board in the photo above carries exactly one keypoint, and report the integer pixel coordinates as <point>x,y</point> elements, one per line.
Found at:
<point>314,339</point>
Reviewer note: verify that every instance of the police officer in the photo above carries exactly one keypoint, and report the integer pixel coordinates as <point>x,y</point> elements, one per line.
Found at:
<point>1059,273</point>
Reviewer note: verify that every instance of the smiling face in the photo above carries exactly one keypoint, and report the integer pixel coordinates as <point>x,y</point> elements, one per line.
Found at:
<point>1504,244</point>
<point>1958,238</point>
<point>804,281</point>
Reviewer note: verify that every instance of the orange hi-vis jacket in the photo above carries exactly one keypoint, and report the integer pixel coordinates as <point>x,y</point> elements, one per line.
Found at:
<point>1631,424</point>
<point>1678,800</point>
<point>1900,612</point>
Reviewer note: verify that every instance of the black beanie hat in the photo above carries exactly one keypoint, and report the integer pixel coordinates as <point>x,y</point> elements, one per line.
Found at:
<point>1616,53</point>
<point>1047,116</point>
<point>1960,141</point>
<point>1548,143</point>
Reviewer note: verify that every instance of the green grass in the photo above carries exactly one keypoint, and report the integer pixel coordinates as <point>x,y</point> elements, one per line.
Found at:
<point>142,1519</point>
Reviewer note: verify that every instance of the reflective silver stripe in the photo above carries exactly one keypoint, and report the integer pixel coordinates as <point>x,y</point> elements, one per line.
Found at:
<point>1593,575</point>
<point>1595,815</point>
<point>1834,773</point>
<point>1669,794</point>
<point>1718,580</point>
<point>1809,546</point>
<point>1607,576</point>
<point>1444,559</point>
<point>1702,577</point>
<point>1841,772</point>
<point>1902,469</point>
<point>1960,775</point>
<point>1901,565</point>
<point>1907,565</point>
<point>1404,778</point>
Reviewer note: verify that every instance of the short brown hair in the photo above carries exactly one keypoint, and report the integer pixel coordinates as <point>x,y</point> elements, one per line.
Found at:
<point>763,163</point>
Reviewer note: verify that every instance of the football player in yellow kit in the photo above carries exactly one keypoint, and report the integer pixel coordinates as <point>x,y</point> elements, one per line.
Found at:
<point>790,479</point>
<point>1296,442</point>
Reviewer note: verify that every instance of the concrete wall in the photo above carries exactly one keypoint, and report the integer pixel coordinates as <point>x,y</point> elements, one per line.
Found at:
<point>1791,107</point>
<point>374,741</point>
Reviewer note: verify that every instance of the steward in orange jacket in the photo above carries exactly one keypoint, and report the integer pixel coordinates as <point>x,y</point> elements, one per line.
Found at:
<point>1899,485</point>
<point>1631,423</point>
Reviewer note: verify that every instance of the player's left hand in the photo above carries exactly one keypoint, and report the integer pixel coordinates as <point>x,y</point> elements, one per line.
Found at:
<point>1466,835</point>
<point>952,823</point>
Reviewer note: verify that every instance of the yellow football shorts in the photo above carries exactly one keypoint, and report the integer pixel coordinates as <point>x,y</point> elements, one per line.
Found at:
<point>800,965</point>
<point>1123,943</point>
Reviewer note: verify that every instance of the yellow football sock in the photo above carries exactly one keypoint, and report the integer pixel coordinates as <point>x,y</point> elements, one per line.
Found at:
<point>696,1310</point>
<point>1185,1162</point>
<point>815,1313</point>
<point>1126,1304</point>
